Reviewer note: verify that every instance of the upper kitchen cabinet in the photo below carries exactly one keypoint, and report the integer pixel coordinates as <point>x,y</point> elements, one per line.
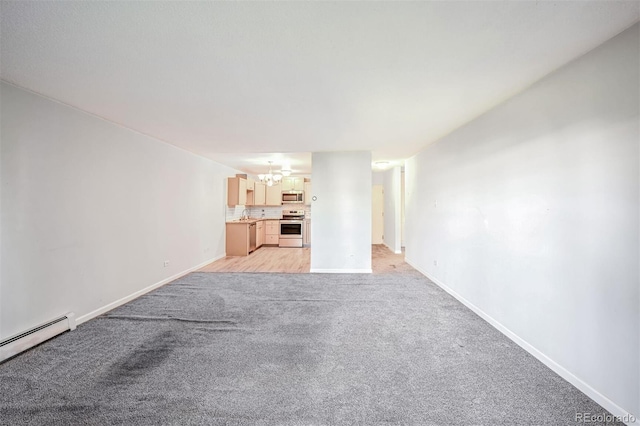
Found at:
<point>236,191</point>
<point>257,195</point>
<point>250,184</point>
<point>274,195</point>
<point>307,193</point>
<point>292,183</point>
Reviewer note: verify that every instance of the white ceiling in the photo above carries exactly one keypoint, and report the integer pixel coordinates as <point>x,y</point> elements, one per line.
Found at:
<point>237,81</point>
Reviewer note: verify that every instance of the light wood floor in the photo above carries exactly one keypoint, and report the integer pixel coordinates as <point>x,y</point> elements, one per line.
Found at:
<point>298,260</point>
<point>265,259</point>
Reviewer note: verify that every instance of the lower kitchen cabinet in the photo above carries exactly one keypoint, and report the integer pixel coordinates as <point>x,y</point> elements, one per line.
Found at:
<point>260,233</point>
<point>272,232</point>
<point>306,234</point>
<point>240,238</point>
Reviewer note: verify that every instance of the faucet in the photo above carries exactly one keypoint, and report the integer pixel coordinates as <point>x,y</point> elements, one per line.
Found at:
<point>244,216</point>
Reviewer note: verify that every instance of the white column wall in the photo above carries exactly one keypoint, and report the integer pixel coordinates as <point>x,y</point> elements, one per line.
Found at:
<point>531,213</point>
<point>341,225</point>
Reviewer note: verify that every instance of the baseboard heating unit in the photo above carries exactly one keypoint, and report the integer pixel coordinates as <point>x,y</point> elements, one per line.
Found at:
<point>21,342</point>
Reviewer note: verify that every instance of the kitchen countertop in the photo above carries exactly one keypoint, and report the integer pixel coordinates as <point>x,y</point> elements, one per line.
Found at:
<point>252,220</point>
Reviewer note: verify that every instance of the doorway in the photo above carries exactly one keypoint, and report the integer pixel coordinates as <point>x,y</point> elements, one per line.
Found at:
<point>377,212</point>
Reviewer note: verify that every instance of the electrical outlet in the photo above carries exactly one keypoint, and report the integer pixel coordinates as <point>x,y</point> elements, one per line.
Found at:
<point>435,263</point>
<point>166,263</point>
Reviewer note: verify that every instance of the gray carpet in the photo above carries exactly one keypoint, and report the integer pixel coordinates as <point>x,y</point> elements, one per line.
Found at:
<point>286,349</point>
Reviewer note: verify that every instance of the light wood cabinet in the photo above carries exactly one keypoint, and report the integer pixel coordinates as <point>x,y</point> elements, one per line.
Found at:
<point>272,232</point>
<point>260,195</point>
<point>287,183</point>
<point>273,195</point>
<point>292,183</point>
<point>236,191</point>
<point>257,197</point>
<point>237,239</point>
<point>307,193</point>
<point>243,238</point>
<point>306,235</point>
<point>250,184</point>
<point>260,233</point>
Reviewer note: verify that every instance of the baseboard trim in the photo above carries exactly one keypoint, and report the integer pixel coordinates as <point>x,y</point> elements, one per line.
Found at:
<point>605,402</point>
<point>134,295</point>
<point>392,250</point>
<point>340,271</point>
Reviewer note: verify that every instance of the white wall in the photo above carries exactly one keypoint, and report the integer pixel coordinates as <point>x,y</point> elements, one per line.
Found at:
<point>377,178</point>
<point>531,212</point>
<point>392,209</point>
<point>91,210</point>
<point>341,225</point>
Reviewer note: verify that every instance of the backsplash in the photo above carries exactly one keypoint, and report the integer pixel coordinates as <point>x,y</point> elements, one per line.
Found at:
<point>307,211</point>
<point>270,212</point>
<point>276,212</point>
<point>233,213</point>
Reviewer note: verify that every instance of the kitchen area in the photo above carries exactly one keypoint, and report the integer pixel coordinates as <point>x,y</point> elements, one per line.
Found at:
<point>270,213</point>
<point>266,220</point>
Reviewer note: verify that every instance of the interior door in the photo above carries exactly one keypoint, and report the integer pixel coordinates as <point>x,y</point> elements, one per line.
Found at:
<point>377,210</point>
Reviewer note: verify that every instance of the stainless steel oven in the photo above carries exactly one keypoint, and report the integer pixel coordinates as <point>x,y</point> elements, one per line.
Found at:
<point>291,228</point>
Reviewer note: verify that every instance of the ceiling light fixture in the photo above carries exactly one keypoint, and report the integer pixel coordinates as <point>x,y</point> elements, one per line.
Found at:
<point>381,164</point>
<point>270,178</point>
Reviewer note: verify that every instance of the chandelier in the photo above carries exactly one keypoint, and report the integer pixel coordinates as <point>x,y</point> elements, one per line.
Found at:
<point>270,178</point>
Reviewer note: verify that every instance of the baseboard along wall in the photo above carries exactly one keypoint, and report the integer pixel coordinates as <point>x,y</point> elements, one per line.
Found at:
<point>134,295</point>
<point>584,387</point>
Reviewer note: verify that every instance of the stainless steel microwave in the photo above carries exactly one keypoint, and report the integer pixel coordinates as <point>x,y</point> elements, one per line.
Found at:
<point>292,197</point>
